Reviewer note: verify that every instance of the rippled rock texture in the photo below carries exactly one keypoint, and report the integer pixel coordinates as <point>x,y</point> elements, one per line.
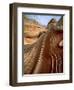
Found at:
<point>45,55</point>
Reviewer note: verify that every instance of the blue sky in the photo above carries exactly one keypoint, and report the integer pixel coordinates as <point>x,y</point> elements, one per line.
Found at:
<point>43,19</point>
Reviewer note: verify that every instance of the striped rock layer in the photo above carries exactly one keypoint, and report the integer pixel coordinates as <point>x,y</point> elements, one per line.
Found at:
<point>45,55</point>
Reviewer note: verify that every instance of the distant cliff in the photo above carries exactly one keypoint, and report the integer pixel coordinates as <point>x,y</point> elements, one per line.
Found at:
<point>53,24</point>
<point>32,30</point>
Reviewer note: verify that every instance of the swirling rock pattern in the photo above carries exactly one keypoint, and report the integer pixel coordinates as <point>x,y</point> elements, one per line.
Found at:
<point>45,55</point>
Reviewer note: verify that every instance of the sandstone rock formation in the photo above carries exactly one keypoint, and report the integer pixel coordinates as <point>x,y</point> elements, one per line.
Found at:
<point>32,31</point>
<point>52,24</point>
<point>45,56</point>
<point>43,52</point>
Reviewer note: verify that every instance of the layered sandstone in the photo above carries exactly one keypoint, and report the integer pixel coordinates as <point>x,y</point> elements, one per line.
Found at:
<point>32,31</point>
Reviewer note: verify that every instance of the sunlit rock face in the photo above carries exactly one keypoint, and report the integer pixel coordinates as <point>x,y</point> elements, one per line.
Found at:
<point>32,31</point>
